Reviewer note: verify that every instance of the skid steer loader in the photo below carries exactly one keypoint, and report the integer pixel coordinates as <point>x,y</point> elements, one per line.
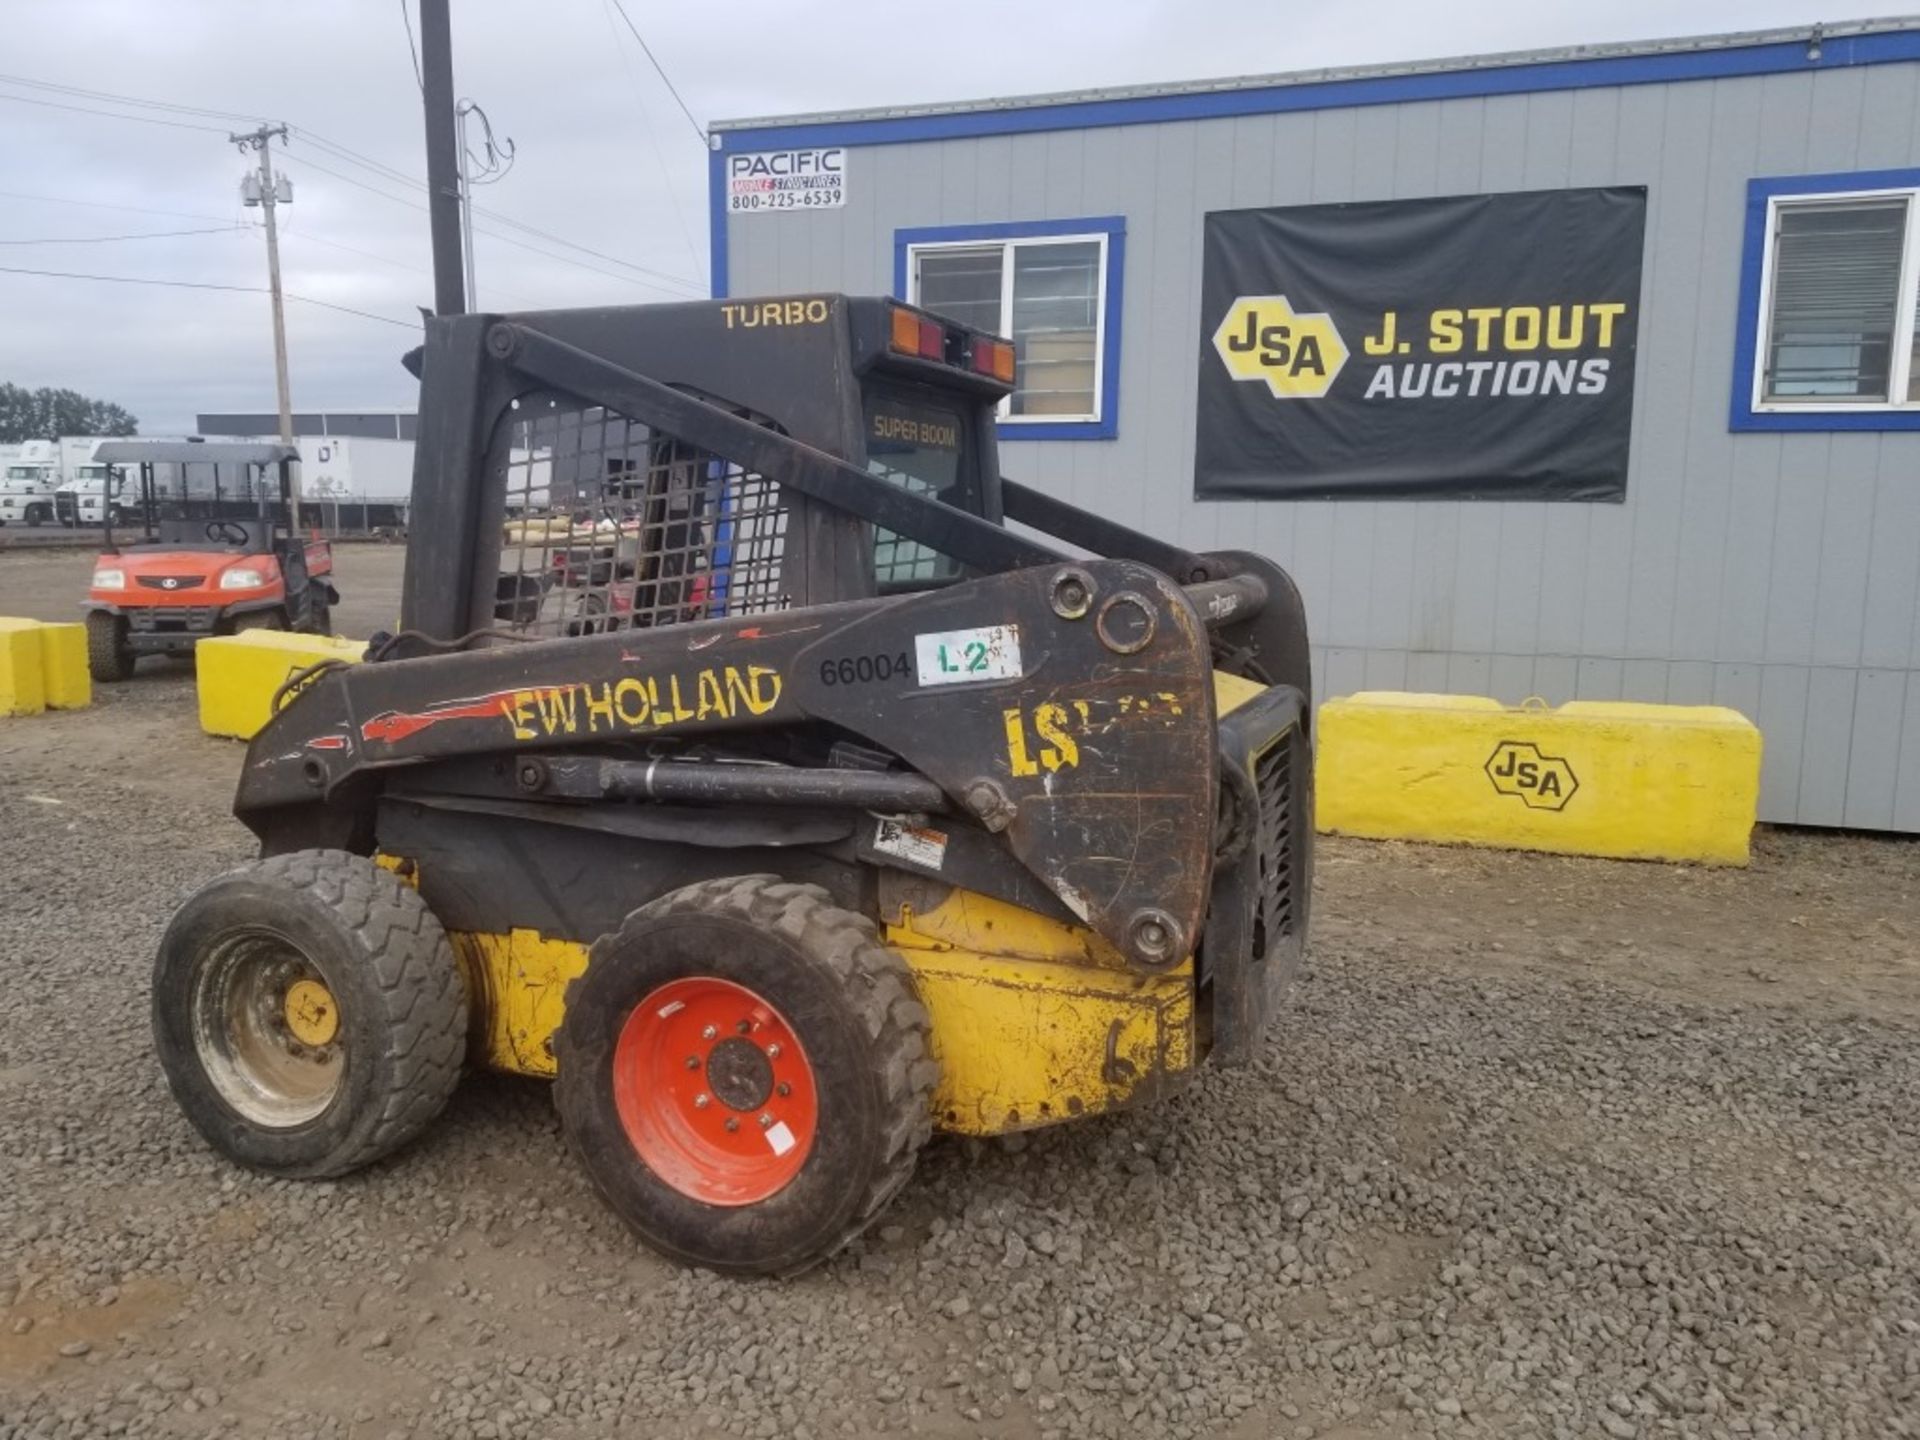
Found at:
<point>790,805</point>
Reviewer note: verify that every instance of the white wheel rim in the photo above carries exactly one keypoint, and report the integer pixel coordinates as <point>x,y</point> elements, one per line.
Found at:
<point>246,1045</point>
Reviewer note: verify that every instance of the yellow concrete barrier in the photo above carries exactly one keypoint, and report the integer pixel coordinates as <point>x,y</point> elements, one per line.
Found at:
<point>22,685</point>
<point>1630,781</point>
<point>63,666</point>
<point>237,675</point>
<point>42,667</point>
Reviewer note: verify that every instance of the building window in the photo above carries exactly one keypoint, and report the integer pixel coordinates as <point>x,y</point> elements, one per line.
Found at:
<point>1831,297</point>
<point>1053,288</point>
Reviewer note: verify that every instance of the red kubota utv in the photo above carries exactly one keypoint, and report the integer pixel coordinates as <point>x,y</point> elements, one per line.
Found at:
<point>212,551</point>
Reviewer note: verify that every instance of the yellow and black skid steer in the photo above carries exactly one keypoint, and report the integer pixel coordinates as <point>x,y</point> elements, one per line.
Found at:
<point>759,764</point>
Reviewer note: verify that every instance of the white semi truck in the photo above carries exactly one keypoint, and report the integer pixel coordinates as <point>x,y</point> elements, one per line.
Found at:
<point>27,483</point>
<point>37,471</point>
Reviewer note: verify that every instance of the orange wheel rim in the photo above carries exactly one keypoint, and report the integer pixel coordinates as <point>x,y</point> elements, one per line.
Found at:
<point>714,1091</point>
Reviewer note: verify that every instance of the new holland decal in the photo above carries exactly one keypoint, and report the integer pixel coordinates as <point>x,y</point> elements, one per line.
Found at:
<point>632,704</point>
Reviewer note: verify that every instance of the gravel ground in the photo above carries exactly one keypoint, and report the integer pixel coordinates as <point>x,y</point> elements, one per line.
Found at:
<point>1542,1147</point>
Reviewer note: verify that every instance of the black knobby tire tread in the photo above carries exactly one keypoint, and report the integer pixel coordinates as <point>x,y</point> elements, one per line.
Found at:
<point>107,660</point>
<point>876,981</point>
<point>425,1005</point>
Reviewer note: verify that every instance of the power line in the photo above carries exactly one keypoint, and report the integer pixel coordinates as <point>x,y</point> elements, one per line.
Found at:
<point>653,141</point>
<point>653,61</point>
<point>510,240</point>
<point>84,93</point>
<point>113,114</point>
<point>400,177</point>
<point>206,285</point>
<point>507,220</point>
<point>102,205</point>
<point>406,19</point>
<point>144,235</point>
<point>300,234</point>
<point>385,171</point>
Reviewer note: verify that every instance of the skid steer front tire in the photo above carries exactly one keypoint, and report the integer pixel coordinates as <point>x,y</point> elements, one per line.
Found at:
<point>309,1013</point>
<point>744,1073</point>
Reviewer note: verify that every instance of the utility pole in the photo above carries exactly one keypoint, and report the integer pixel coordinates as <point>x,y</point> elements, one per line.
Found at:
<point>460,114</point>
<point>443,156</point>
<point>259,141</point>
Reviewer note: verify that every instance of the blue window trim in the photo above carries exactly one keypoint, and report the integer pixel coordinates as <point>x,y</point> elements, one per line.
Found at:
<point>1742,415</point>
<point>1780,57</point>
<point>1114,227</point>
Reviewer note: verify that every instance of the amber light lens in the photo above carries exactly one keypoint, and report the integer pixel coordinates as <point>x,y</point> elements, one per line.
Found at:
<point>993,357</point>
<point>905,336</point>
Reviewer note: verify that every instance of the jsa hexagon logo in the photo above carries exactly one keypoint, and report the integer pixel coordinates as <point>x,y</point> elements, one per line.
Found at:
<point>1543,782</point>
<point>1263,338</point>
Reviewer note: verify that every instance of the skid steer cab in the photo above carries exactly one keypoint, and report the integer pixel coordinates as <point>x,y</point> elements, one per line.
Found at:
<point>202,542</point>
<point>761,765</point>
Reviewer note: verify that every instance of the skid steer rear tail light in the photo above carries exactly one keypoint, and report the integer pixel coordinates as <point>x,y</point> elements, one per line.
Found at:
<point>933,341</point>
<point>993,357</point>
<point>905,332</point>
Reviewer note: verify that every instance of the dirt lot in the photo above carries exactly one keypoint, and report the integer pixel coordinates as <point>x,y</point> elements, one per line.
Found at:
<point>1543,1147</point>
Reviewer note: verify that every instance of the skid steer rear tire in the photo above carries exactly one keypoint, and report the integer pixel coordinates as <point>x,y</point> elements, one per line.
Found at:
<point>309,1013</point>
<point>758,1005</point>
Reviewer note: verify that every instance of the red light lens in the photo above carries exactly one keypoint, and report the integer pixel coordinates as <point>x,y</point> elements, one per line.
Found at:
<point>933,340</point>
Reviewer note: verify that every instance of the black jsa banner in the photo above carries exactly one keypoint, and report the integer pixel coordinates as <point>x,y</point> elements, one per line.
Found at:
<point>1468,347</point>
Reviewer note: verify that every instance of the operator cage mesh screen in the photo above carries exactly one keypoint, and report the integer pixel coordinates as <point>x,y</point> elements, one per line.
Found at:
<point>612,525</point>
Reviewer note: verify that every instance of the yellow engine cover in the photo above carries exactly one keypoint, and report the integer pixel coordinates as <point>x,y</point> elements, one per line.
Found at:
<point>1034,1021</point>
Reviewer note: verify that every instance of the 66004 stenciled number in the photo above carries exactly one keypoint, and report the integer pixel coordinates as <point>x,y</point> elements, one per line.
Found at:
<point>865,669</point>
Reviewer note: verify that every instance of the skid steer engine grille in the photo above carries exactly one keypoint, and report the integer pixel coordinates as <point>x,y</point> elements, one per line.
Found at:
<point>610,525</point>
<point>1273,916</point>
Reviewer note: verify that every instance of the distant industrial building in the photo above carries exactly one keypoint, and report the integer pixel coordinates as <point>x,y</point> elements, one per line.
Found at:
<point>358,424</point>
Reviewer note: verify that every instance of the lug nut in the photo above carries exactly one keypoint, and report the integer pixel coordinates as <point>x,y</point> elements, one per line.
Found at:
<point>766,1120</point>
<point>702,1100</point>
<point>693,1062</point>
<point>773,1051</point>
<point>783,1088</point>
<point>708,1033</point>
<point>732,1124</point>
<point>744,1026</point>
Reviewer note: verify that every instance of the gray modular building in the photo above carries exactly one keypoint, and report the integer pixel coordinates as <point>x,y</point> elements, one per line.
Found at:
<point>1746,530</point>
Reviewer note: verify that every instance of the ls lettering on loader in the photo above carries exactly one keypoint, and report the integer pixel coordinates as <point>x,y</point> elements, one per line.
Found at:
<point>1543,782</point>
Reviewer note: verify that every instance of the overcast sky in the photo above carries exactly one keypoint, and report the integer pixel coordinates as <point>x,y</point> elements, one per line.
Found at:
<point>606,159</point>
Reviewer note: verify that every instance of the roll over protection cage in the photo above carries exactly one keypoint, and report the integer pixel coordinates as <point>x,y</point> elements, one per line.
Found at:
<point>476,368</point>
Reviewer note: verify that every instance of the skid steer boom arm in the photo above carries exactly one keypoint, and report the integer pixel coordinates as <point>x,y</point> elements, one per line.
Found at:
<point>1087,738</point>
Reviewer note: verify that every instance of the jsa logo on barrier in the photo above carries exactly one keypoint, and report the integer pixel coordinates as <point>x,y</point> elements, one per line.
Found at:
<point>1298,355</point>
<point>1543,782</point>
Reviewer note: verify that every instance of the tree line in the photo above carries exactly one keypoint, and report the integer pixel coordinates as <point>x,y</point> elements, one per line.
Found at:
<point>47,414</point>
